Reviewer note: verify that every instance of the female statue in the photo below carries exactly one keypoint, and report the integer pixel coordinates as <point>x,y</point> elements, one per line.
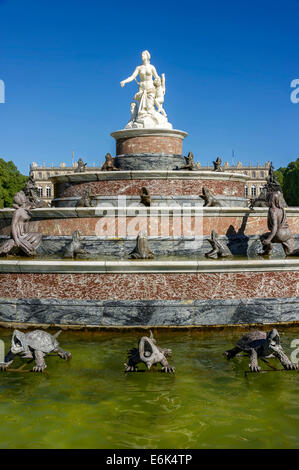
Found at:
<point>21,239</point>
<point>146,93</point>
<point>278,226</point>
<point>151,91</point>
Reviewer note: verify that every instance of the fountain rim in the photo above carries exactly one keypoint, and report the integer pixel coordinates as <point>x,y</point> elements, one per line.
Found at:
<point>147,174</point>
<point>146,266</point>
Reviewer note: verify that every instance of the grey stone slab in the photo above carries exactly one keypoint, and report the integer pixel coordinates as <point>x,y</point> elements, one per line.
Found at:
<point>289,309</point>
<point>59,311</point>
<point>147,313</point>
<point>149,162</point>
<point>257,311</point>
<point>8,310</point>
<point>215,312</point>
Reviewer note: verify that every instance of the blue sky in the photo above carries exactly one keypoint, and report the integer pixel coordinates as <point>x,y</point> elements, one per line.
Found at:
<point>228,66</point>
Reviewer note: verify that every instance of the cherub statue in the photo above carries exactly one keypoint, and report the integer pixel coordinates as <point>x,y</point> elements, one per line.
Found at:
<point>160,92</point>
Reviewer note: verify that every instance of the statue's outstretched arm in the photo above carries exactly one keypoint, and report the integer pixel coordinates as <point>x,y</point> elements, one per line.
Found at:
<point>131,78</point>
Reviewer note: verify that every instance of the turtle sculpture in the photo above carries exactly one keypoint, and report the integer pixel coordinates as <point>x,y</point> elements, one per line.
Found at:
<point>259,344</point>
<point>219,250</point>
<point>34,345</point>
<point>148,353</point>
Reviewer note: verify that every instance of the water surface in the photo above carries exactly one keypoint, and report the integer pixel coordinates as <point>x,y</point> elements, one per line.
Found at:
<point>89,402</point>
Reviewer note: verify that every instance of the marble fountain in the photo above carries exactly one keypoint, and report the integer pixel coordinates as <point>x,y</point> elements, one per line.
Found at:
<point>179,287</point>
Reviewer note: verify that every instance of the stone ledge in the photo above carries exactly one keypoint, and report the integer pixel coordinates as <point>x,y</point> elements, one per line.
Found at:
<point>130,133</point>
<point>148,174</point>
<point>147,266</point>
<point>73,212</point>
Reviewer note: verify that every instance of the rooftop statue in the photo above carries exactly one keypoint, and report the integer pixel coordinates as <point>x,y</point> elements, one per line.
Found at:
<point>217,164</point>
<point>81,166</point>
<point>147,110</point>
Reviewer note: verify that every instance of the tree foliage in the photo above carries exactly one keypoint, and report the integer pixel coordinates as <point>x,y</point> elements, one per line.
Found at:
<point>11,181</point>
<point>289,180</point>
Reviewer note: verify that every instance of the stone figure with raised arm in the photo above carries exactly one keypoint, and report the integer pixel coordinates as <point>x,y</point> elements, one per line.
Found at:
<point>151,91</point>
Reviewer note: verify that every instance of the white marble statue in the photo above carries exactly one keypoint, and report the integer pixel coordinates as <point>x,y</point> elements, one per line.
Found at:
<point>147,111</point>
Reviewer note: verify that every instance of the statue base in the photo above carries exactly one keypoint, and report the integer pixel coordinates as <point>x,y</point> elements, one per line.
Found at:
<point>149,149</point>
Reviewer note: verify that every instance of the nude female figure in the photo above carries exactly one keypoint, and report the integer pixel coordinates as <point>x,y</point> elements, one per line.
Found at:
<point>147,91</point>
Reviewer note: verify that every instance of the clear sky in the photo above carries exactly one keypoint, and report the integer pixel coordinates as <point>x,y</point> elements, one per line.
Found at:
<point>228,66</point>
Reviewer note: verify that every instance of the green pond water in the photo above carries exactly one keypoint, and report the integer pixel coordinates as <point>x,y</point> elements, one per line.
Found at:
<point>89,402</point>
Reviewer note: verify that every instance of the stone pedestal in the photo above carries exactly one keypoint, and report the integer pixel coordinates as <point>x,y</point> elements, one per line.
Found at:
<point>149,149</point>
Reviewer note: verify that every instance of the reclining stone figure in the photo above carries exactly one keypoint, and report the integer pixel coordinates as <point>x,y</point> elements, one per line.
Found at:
<point>279,228</point>
<point>22,242</point>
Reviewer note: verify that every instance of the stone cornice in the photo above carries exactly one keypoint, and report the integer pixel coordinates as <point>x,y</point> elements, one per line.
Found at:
<point>148,174</point>
<point>147,266</point>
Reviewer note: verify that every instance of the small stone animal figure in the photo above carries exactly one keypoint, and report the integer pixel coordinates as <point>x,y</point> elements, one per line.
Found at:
<point>33,345</point>
<point>219,250</point>
<point>209,200</point>
<point>189,162</point>
<point>259,344</point>
<point>81,166</point>
<point>108,165</point>
<point>86,199</point>
<point>145,197</point>
<point>74,248</point>
<point>217,164</point>
<point>149,354</point>
<point>141,250</point>
<point>260,201</point>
